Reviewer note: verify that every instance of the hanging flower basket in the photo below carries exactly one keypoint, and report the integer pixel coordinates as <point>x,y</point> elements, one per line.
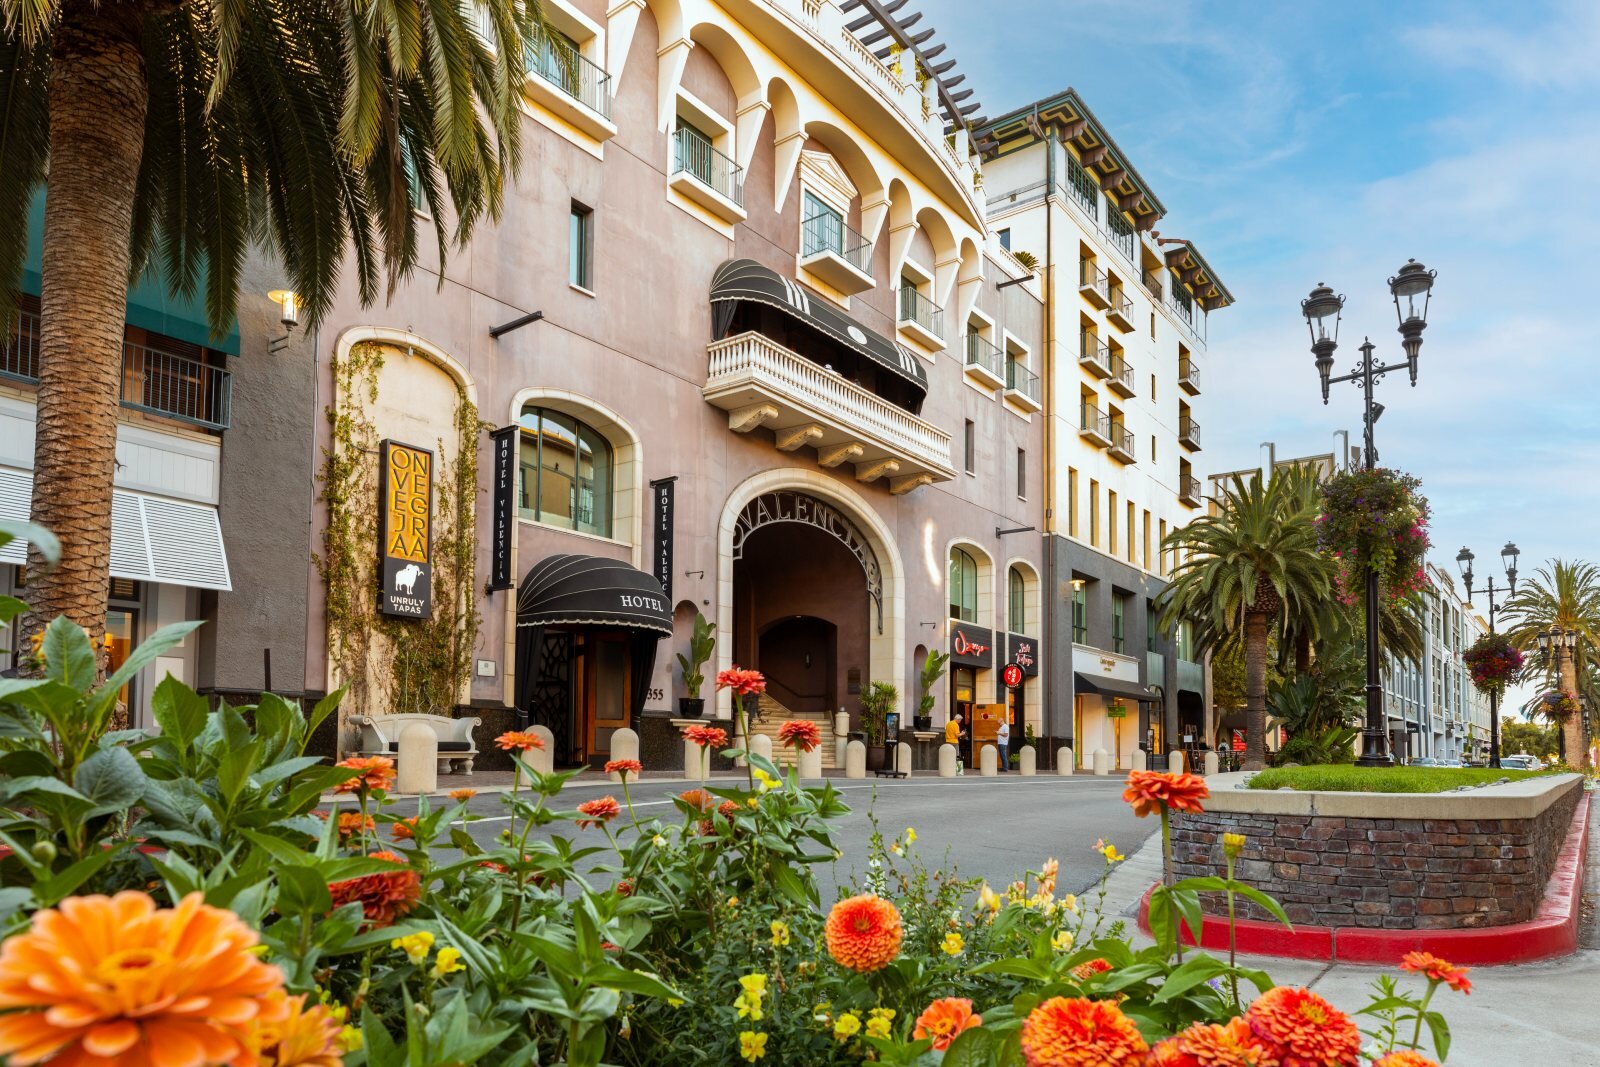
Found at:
<point>1493,662</point>
<point>1376,519</point>
<point>1557,706</point>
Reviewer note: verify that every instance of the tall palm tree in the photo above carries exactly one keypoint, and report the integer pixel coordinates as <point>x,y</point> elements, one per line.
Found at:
<point>1563,593</point>
<point>178,134</point>
<point>1244,571</point>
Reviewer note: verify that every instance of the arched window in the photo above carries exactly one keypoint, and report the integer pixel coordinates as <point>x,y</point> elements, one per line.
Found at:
<point>1016,608</point>
<point>963,586</point>
<point>567,469</point>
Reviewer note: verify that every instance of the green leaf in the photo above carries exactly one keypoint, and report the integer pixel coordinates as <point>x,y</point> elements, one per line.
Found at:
<point>801,890</point>
<point>1195,971</point>
<point>50,891</point>
<point>69,658</point>
<point>1272,906</point>
<point>10,608</point>
<point>235,769</point>
<point>179,711</point>
<point>302,891</point>
<point>36,536</point>
<point>613,977</point>
<point>981,1047</point>
<point>111,778</point>
<point>1441,1033</point>
<point>321,710</point>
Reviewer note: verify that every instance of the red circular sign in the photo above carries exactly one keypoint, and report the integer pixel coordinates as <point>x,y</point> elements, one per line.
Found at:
<point>1011,676</point>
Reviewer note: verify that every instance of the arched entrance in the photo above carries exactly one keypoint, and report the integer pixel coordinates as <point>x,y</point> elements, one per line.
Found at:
<point>799,656</point>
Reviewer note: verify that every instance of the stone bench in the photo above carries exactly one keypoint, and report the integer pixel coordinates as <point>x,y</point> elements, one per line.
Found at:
<point>380,736</point>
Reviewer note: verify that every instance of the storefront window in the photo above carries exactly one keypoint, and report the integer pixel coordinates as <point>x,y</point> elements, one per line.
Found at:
<point>1018,609</point>
<point>1080,613</point>
<point>963,586</point>
<point>566,472</point>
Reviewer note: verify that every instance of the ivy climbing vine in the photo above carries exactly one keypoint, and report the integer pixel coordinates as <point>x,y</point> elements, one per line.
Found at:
<point>391,664</point>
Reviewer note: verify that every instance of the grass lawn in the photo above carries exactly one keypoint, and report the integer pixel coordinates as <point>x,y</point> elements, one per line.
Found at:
<point>1346,778</point>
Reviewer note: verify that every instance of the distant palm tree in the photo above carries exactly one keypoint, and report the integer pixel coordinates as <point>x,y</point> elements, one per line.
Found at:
<point>180,134</point>
<point>1563,593</point>
<point>1245,570</point>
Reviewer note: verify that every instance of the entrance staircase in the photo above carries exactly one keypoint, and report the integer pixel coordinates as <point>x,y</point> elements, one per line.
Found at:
<point>774,715</point>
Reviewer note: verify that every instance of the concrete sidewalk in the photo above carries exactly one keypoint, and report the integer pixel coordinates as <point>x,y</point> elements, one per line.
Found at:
<point>1537,1014</point>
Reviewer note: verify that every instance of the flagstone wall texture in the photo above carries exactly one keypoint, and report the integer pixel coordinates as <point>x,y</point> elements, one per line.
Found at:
<point>1387,872</point>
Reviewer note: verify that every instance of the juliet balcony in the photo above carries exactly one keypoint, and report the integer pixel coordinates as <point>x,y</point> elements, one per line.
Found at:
<point>1188,376</point>
<point>1022,386</point>
<point>1121,380</point>
<point>1189,491</point>
<point>1094,355</point>
<point>921,318</point>
<point>1119,310</point>
<point>835,253</point>
<point>1095,426</point>
<point>562,80</point>
<point>760,383</point>
<point>1094,285</point>
<point>985,362</point>
<point>1189,433</point>
<point>1122,446</point>
<point>706,176</point>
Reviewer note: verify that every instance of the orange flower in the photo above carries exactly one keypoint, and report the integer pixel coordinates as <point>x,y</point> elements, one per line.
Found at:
<point>801,734</point>
<point>376,774</point>
<point>116,981</point>
<point>1089,968</point>
<point>384,896</point>
<point>944,1019</point>
<point>599,811</point>
<point>742,682</point>
<point>353,822</point>
<point>404,829</point>
<point>706,736</point>
<point>1437,970</point>
<point>1306,1030</point>
<point>305,1038</point>
<point>463,795</point>
<point>698,799</point>
<point>1150,791</point>
<point>1168,1054</point>
<point>864,933</point>
<point>1081,1033</point>
<point>624,767</point>
<point>1406,1058</point>
<point>1229,1045</point>
<point>520,740</point>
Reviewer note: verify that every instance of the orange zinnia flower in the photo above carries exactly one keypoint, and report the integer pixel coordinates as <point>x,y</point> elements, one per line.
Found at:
<point>463,794</point>
<point>741,681</point>
<point>520,740</point>
<point>1089,968</point>
<point>944,1019</point>
<point>599,811</point>
<point>353,822</point>
<point>1306,1030</point>
<point>706,736</point>
<point>1168,1054</point>
<point>1150,791</point>
<point>376,774</point>
<point>1406,1058</point>
<point>864,933</point>
<point>624,767</point>
<point>305,1038</point>
<point>1437,970</point>
<point>801,734</point>
<point>384,896</point>
<point>1230,1044</point>
<point>698,799</point>
<point>404,829</point>
<point>117,981</point>
<point>1081,1033</point>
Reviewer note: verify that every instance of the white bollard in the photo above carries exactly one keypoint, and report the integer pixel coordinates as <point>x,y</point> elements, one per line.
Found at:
<point>988,761</point>
<point>624,745</point>
<point>855,760</point>
<point>761,745</point>
<point>903,759</point>
<point>811,763</point>
<point>419,760</point>
<point>543,759</point>
<point>947,760</point>
<point>1140,760</point>
<point>1064,759</point>
<point>1212,764</point>
<point>1027,762</point>
<point>1175,761</point>
<point>696,761</point>
<point>841,723</point>
<point>1102,761</point>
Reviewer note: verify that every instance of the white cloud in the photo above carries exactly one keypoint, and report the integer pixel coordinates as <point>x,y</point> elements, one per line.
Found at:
<point>1559,52</point>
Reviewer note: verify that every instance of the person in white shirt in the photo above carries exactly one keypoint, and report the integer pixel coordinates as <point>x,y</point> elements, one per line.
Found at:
<point>1002,741</point>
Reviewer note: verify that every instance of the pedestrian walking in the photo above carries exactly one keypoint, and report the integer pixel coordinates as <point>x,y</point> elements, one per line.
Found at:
<point>1002,741</point>
<point>952,736</point>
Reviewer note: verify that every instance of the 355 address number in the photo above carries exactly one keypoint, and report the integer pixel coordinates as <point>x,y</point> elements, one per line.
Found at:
<point>655,694</point>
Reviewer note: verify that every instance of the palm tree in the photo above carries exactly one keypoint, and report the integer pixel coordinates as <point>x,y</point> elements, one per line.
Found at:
<point>1250,567</point>
<point>178,135</point>
<point>1563,594</point>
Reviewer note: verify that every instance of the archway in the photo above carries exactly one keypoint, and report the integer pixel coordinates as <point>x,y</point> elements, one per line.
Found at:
<point>799,656</point>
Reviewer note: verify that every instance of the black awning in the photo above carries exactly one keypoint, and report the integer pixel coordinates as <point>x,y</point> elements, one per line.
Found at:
<point>570,590</point>
<point>745,279</point>
<point>1115,687</point>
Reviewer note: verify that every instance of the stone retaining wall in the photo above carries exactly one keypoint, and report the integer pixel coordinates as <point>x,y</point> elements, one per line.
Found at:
<point>1479,859</point>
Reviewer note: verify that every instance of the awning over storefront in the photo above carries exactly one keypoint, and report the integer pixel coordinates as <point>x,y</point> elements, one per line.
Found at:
<point>745,279</point>
<point>572,590</point>
<point>153,538</point>
<point>1114,687</point>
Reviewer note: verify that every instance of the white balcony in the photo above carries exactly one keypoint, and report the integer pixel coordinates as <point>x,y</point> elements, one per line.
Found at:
<point>762,384</point>
<point>836,254</point>
<point>569,84</point>
<point>706,176</point>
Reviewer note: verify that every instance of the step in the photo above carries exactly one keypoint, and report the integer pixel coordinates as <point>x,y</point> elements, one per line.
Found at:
<point>774,715</point>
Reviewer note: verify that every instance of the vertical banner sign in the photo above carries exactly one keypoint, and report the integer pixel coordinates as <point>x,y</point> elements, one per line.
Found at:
<point>405,530</point>
<point>661,495</point>
<point>503,519</point>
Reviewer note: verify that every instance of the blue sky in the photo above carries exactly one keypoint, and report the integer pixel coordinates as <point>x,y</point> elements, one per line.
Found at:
<point>1295,148</point>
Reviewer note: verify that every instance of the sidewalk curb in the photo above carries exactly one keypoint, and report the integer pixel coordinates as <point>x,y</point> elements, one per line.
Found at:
<point>1552,932</point>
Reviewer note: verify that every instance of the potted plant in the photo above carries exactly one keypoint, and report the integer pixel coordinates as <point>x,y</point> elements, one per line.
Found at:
<point>932,670</point>
<point>878,699</point>
<point>701,644</point>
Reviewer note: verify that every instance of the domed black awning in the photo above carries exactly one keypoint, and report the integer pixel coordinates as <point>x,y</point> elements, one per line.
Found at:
<point>573,590</point>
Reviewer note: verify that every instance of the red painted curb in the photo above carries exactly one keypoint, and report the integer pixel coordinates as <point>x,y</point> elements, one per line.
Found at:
<point>1551,932</point>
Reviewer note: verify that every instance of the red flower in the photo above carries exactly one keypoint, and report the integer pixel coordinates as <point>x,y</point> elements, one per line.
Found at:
<point>698,799</point>
<point>1089,968</point>
<point>599,811</point>
<point>1304,1029</point>
<point>742,682</point>
<point>624,888</point>
<point>624,767</point>
<point>706,736</point>
<point>384,896</point>
<point>1151,791</point>
<point>801,734</point>
<point>376,774</point>
<point>1437,970</point>
<point>520,740</point>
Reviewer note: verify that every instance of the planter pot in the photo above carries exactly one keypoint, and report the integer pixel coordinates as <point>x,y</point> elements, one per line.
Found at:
<point>691,707</point>
<point>922,722</point>
<point>877,757</point>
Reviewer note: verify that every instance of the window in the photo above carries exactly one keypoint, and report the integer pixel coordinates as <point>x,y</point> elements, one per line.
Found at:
<point>566,473</point>
<point>1163,549</point>
<point>1132,512</point>
<point>963,586</point>
<point>970,444</point>
<point>1119,622</point>
<point>1184,640</point>
<point>580,247</point>
<point>1080,611</point>
<point>1111,521</point>
<point>1152,626</point>
<point>1094,513</point>
<point>1147,557</point>
<point>823,226</point>
<point>1022,474</point>
<point>1072,502</point>
<point>1016,609</point>
<point>693,149</point>
<point>1005,239</point>
<point>1152,448</point>
<point>1152,388</point>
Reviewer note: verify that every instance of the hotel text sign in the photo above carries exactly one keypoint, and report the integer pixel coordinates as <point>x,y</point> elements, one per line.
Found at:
<point>786,505</point>
<point>405,530</point>
<point>503,517</point>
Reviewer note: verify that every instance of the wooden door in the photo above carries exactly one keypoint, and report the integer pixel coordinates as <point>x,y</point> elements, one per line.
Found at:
<point>610,671</point>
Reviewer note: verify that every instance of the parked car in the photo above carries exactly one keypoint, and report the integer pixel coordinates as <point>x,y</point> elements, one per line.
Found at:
<point>1520,762</point>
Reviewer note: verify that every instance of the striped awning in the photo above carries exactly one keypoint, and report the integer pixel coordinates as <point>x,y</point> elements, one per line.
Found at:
<point>153,538</point>
<point>745,279</point>
<point>573,590</point>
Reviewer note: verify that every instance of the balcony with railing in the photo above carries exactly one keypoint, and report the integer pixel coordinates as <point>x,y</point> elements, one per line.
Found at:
<point>760,383</point>
<point>706,176</point>
<point>153,381</point>
<point>1094,425</point>
<point>921,318</point>
<point>1022,385</point>
<point>1189,491</point>
<point>1082,187</point>
<point>1189,376</point>
<point>1094,355</point>
<point>1152,285</point>
<point>1181,302</point>
<point>1121,379</point>
<point>1119,310</point>
<point>835,253</point>
<point>1122,446</point>
<point>563,80</point>
<point>1120,231</point>
<point>1093,284</point>
<point>985,361</point>
<point>1189,433</point>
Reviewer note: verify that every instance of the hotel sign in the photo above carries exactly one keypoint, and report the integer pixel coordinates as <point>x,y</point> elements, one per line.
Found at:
<point>503,504</point>
<point>662,494</point>
<point>405,530</point>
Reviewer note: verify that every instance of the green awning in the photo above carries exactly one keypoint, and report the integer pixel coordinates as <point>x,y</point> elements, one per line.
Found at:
<point>151,305</point>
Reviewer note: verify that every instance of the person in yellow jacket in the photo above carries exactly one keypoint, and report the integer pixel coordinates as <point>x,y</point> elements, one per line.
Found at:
<point>952,736</point>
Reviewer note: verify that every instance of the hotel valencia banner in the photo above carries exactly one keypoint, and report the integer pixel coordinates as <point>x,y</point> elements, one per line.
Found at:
<point>405,530</point>
<point>503,504</point>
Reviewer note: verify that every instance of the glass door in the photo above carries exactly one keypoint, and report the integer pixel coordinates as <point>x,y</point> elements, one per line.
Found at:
<point>120,627</point>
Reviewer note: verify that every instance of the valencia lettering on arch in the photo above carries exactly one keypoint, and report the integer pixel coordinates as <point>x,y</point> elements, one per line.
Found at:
<point>787,505</point>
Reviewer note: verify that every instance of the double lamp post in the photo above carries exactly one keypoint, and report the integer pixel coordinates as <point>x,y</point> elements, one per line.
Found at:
<point>1508,556</point>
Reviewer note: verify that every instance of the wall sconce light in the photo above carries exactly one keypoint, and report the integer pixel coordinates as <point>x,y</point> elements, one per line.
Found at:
<point>288,302</point>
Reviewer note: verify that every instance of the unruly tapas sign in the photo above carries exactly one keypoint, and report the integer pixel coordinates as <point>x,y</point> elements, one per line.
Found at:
<point>405,530</point>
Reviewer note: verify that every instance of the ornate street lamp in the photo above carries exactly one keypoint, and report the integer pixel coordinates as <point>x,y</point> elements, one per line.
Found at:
<point>1411,287</point>
<point>1508,558</point>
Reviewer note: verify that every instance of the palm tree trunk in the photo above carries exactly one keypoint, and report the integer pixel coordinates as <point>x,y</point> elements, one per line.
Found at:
<point>1255,691</point>
<point>97,104</point>
<point>1572,733</point>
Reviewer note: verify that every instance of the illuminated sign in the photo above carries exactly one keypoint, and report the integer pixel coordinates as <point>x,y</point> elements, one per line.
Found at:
<point>405,530</point>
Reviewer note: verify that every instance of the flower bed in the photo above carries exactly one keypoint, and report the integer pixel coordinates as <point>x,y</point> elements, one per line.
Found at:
<point>1345,778</point>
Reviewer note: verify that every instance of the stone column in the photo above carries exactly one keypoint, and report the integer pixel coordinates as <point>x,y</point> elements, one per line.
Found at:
<point>542,760</point>
<point>855,760</point>
<point>624,745</point>
<point>987,761</point>
<point>947,761</point>
<point>1027,762</point>
<point>1064,759</point>
<point>418,771</point>
<point>1102,761</point>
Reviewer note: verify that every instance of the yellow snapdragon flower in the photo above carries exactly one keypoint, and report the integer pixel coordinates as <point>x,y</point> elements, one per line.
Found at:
<point>847,1026</point>
<point>780,933</point>
<point>953,944</point>
<point>752,1045</point>
<point>416,946</point>
<point>447,962</point>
